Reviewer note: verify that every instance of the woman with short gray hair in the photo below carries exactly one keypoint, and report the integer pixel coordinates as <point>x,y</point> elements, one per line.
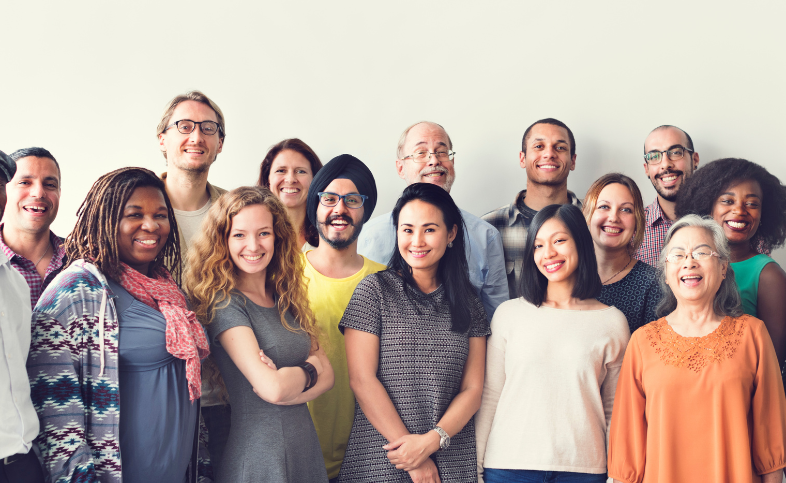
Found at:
<point>699,396</point>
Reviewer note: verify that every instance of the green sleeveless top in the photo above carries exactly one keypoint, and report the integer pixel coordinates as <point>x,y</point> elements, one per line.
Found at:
<point>746,273</point>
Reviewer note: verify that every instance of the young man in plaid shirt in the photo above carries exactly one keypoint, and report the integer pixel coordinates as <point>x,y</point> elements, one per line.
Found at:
<point>548,154</point>
<point>669,159</point>
<point>25,238</point>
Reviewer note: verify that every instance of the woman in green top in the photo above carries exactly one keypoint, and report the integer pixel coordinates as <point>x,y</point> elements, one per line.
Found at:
<point>750,205</point>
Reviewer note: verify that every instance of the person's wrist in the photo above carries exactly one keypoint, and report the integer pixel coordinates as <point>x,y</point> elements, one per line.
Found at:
<point>433,441</point>
<point>311,375</point>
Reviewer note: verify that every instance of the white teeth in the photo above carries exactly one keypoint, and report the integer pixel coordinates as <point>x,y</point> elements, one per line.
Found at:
<point>612,230</point>
<point>339,222</point>
<point>737,224</point>
<point>553,265</point>
<point>668,179</point>
<point>290,190</point>
<point>252,258</point>
<point>36,209</point>
<point>194,151</point>
<point>691,277</point>
<point>433,175</point>
<point>148,242</point>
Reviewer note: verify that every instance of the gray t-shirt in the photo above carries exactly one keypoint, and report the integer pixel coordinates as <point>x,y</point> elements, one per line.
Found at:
<point>267,442</point>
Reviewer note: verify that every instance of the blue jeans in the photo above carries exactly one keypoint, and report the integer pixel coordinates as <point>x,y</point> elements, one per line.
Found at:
<point>493,475</point>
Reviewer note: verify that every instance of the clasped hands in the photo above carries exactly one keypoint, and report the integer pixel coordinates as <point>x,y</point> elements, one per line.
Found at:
<point>411,453</point>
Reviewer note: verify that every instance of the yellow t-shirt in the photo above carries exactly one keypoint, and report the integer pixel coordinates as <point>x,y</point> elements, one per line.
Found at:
<point>334,411</point>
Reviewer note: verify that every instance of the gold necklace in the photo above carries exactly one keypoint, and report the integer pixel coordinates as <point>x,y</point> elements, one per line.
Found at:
<point>630,259</point>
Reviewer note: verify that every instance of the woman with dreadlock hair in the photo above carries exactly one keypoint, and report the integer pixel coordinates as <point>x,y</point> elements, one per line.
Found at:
<point>245,282</point>
<point>115,357</point>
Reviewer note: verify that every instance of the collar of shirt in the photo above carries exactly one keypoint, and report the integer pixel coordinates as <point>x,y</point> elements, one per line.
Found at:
<point>655,213</point>
<point>514,213</point>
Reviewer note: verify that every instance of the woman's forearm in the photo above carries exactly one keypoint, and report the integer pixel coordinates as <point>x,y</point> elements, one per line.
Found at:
<point>467,402</point>
<point>324,383</point>
<point>378,408</point>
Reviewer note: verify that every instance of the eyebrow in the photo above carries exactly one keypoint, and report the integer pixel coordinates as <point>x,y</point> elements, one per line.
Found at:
<point>137,207</point>
<point>751,195</point>
<point>697,246</point>
<point>426,142</point>
<point>623,203</point>
<point>667,149</point>
<point>424,224</point>
<point>556,142</point>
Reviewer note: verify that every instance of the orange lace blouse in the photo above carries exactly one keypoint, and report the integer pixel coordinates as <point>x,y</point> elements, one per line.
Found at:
<point>691,409</point>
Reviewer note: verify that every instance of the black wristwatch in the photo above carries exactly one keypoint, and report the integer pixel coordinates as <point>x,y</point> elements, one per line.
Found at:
<point>311,375</point>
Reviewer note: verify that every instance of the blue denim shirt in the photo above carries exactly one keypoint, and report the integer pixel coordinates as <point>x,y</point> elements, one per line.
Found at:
<point>485,256</point>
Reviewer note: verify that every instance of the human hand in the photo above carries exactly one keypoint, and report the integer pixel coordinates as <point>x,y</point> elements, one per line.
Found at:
<point>425,473</point>
<point>266,360</point>
<point>410,451</point>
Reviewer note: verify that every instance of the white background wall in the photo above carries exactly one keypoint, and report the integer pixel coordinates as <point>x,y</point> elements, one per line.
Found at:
<point>89,80</point>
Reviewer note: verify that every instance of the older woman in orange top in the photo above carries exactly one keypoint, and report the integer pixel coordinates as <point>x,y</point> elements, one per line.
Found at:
<point>699,397</point>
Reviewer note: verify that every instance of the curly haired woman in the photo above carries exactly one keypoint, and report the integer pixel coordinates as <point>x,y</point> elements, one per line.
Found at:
<point>749,204</point>
<point>245,282</point>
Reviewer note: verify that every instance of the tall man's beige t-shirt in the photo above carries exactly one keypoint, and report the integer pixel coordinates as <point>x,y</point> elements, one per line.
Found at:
<point>334,411</point>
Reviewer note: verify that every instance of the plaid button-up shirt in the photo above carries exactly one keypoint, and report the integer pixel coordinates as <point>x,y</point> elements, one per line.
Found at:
<point>24,266</point>
<point>656,225</point>
<point>512,225</point>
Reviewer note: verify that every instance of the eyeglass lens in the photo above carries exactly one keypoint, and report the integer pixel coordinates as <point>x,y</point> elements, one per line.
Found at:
<point>332,199</point>
<point>186,126</point>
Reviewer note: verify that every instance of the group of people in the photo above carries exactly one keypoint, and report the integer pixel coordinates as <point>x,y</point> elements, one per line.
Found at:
<point>278,333</point>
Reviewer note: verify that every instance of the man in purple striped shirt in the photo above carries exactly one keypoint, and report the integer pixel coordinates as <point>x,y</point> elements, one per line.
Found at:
<point>669,159</point>
<point>33,199</point>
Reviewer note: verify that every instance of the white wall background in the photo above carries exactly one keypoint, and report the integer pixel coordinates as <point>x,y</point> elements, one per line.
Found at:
<point>88,81</point>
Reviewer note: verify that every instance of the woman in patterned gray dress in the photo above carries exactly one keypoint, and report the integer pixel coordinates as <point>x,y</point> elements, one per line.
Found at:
<point>245,282</point>
<point>416,345</point>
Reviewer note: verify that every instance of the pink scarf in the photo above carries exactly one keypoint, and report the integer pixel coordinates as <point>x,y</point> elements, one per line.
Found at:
<point>185,338</point>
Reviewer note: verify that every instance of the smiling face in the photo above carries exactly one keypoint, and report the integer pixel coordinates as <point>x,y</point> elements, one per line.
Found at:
<point>668,176</point>
<point>613,222</point>
<point>290,177</point>
<point>193,152</point>
<point>251,240</point>
<point>555,252</point>
<point>547,159</point>
<point>423,236</point>
<point>338,225</point>
<point>144,228</point>
<point>690,280</point>
<point>33,195</point>
<point>428,137</point>
<point>738,211</point>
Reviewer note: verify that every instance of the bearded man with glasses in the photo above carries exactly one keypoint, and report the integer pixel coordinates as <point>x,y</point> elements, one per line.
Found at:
<point>669,159</point>
<point>191,134</point>
<point>425,155</point>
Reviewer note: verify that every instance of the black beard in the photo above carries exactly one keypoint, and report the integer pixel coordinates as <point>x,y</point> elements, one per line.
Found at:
<point>668,196</point>
<point>339,244</point>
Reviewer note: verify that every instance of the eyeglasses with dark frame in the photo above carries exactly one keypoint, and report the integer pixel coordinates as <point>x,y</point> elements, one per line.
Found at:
<point>677,256</point>
<point>424,156</point>
<point>187,126</point>
<point>675,153</point>
<point>351,200</point>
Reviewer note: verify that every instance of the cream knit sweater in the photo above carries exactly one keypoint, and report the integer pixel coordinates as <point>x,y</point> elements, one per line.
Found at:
<point>549,390</point>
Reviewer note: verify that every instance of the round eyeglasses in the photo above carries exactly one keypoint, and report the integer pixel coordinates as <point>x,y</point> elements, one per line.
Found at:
<point>352,200</point>
<point>424,156</point>
<point>675,154</point>
<point>187,126</point>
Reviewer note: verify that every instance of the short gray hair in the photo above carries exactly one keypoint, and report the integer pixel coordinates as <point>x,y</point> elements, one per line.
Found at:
<point>403,139</point>
<point>727,299</point>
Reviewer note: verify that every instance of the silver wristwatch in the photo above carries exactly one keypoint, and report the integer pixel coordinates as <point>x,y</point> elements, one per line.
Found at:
<point>444,439</point>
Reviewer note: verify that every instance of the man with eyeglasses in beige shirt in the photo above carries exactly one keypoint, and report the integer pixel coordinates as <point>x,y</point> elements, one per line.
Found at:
<point>191,134</point>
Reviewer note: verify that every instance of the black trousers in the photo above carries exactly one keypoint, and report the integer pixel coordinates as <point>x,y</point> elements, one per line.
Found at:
<point>21,469</point>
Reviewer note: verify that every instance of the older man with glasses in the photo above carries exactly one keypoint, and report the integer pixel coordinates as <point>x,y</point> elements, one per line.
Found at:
<point>669,159</point>
<point>425,155</point>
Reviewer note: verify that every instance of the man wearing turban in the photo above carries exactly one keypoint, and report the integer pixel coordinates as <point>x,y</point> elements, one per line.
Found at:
<point>341,199</point>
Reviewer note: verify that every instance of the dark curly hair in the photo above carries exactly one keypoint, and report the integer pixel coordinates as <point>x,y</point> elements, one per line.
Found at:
<point>703,188</point>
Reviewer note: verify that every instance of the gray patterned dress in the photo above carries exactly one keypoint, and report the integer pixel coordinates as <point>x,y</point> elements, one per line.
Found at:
<point>421,364</point>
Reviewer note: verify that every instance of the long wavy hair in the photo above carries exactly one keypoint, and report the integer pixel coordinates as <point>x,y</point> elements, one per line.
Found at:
<point>211,274</point>
<point>94,237</point>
